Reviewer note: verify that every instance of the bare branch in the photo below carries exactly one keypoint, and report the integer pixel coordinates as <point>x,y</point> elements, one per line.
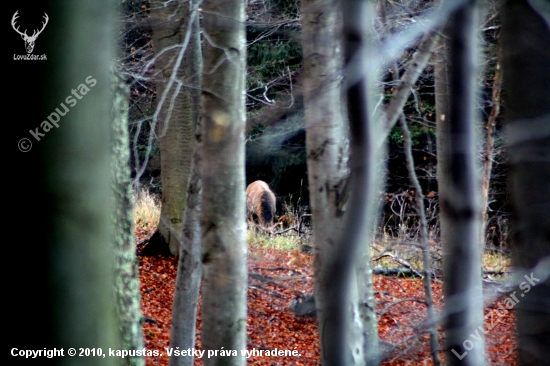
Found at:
<point>414,69</point>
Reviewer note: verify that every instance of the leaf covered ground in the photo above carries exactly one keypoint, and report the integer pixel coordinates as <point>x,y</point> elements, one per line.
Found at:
<point>278,276</point>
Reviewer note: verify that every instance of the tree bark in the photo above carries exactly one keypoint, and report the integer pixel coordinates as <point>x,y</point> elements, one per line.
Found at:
<point>171,23</point>
<point>184,308</point>
<point>459,191</point>
<point>424,241</point>
<point>78,192</point>
<point>341,226</point>
<point>327,141</point>
<point>526,60</point>
<point>127,291</point>
<point>223,217</point>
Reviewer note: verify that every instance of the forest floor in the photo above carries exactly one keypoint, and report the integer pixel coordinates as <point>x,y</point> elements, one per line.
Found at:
<point>272,325</point>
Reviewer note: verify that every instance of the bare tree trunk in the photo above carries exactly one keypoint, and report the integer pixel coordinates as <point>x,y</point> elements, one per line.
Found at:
<point>126,271</point>
<point>184,308</point>
<point>526,60</point>
<point>188,279</point>
<point>76,159</point>
<point>364,178</point>
<point>327,143</point>
<point>334,196</point>
<point>459,193</point>
<point>418,62</point>
<point>223,211</point>
<point>424,242</point>
<point>172,23</point>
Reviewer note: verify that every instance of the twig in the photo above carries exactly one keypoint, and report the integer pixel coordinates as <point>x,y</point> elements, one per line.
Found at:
<point>489,149</point>
<point>434,342</point>
<point>400,261</point>
<point>285,230</point>
<point>402,91</point>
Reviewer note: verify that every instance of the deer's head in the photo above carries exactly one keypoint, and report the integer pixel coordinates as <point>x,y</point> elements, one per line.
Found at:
<point>29,40</point>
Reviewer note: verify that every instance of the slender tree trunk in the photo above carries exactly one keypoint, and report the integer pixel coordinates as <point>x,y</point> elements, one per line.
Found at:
<point>459,193</point>
<point>418,62</point>
<point>223,218</point>
<point>526,60</point>
<point>188,279</point>
<point>424,242</point>
<point>488,152</point>
<point>364,179</point>
<point>76,159</point>
<point>172,23</point>
<point>184,308</point>
<point>126,271</point>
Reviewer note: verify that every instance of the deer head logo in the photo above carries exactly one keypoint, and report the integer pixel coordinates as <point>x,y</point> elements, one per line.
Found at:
<point>29,40</point>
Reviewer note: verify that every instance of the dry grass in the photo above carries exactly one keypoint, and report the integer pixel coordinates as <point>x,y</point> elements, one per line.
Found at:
<point>286,241</point>
<point>408,249</point>
<point>404,245</point>
<point>496,261</point>
<point>146,210</point>
<point>147,215</point>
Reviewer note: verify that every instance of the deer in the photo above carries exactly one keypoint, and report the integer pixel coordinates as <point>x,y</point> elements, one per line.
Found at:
<point>29,40</point>
<point>260,203</point>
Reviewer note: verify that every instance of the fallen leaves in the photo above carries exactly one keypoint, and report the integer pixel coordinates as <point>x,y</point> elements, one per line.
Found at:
<point>276,278</point>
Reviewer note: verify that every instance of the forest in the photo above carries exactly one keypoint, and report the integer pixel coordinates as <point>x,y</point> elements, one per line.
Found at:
<point>279,182</point>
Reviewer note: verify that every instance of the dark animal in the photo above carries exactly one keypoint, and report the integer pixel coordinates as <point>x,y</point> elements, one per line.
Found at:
<point>304,305</point>
<point>260,203</point>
